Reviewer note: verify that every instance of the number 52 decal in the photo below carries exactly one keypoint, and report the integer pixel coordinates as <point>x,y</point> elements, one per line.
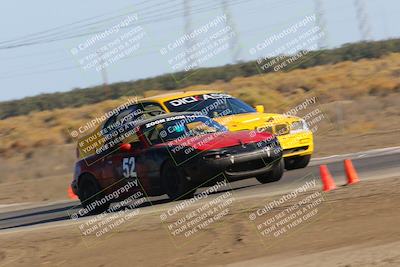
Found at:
<point>128,167</point>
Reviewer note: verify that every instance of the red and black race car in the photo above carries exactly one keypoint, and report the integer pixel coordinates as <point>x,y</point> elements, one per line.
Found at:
<point>173,154</point>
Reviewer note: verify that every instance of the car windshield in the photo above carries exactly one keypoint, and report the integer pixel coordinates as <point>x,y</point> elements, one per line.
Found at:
<point>132,114</point>
<point>213,105</point>
<point>178,127</point>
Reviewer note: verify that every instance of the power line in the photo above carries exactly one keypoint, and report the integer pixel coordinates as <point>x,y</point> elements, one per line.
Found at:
<point>41,72</point>
<point>69,24</point>
<point>49,52</point>
<point>207,8</point>
<point>156,50</point>
<point>81,28</point>
<point>151,19</point>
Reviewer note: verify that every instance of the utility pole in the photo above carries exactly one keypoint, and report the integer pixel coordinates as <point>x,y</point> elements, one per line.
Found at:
<point>188,29</point>
<point>363,20</point>
<point>103,73</point>
<point>234,40</point>
<point>321,23</point>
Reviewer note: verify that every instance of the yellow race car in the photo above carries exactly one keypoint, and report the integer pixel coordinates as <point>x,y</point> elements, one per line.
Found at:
<point>293,134</point>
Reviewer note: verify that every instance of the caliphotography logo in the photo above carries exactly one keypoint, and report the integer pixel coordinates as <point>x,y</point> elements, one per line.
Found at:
<point>188,219</point>
<point>291,211</point>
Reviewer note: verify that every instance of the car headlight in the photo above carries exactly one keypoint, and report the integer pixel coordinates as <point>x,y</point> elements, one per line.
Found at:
<point>298,126</point>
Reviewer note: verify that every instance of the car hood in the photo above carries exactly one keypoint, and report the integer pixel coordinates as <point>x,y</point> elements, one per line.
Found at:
<point>219,140</point>
<point>250,121</point>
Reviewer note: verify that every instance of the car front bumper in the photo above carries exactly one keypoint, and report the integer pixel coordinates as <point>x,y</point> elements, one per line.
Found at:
<point>234,165</point>
<point>297,144</point>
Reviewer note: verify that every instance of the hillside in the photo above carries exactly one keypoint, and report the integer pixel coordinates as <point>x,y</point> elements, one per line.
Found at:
<point>82,97</point>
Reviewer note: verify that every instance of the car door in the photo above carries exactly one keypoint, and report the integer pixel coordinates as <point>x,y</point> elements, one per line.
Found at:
<point>120,168</point>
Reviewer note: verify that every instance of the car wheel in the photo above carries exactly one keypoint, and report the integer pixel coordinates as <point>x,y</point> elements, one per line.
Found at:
<point>300,162</point>
<point>175,184</point>
<point>89,191</point>
<point>274,175</point>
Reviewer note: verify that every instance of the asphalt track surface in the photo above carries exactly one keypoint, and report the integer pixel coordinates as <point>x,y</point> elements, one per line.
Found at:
<point>374,164</point>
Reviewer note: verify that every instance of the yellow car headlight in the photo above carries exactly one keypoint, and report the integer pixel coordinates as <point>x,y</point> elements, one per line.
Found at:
<point>298,126</point>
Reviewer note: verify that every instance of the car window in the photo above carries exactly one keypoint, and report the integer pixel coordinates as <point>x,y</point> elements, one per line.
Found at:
<point>178,127</point>
<point>109,122</point>
<point>152,108</point>
<point>139,112</point>
<point>201,127</point>
<point>212,105</point>
<point>133,113</point>
<point>153,135</point>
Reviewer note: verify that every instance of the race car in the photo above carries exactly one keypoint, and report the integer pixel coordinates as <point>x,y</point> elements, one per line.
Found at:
<point>173,154</point>
<point>293,134</point>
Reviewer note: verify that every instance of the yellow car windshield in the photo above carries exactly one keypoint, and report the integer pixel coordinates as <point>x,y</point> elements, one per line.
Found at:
<point>214,106</point>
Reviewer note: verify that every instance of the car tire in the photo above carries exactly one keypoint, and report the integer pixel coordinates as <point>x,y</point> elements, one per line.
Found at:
<point>274,175</point>
<point>299,162</point>
<point>175,184</point>
<point>90,191</point>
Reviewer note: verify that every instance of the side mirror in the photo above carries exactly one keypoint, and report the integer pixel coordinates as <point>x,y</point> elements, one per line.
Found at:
<point>260,108</point>
<point>125,147</point>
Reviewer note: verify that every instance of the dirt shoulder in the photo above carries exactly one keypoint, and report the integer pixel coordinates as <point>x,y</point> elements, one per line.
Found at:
<point>357,226</point>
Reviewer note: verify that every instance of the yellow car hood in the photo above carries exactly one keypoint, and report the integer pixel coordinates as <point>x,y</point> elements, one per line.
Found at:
<point>250,121</point>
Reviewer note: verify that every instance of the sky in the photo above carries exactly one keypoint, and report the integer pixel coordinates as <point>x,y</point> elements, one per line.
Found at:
<point>52,66</point>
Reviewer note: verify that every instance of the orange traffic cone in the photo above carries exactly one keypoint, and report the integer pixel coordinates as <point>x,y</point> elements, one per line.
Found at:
<point>71,194</point>
<point>351,174</point>
<point>326,178</point>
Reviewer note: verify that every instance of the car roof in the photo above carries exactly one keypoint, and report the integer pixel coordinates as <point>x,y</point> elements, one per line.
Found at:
<point>176,94</point>
<point>167,115</point>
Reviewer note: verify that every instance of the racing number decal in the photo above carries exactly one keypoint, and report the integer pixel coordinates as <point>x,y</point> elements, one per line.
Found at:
<point>128,167</point>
